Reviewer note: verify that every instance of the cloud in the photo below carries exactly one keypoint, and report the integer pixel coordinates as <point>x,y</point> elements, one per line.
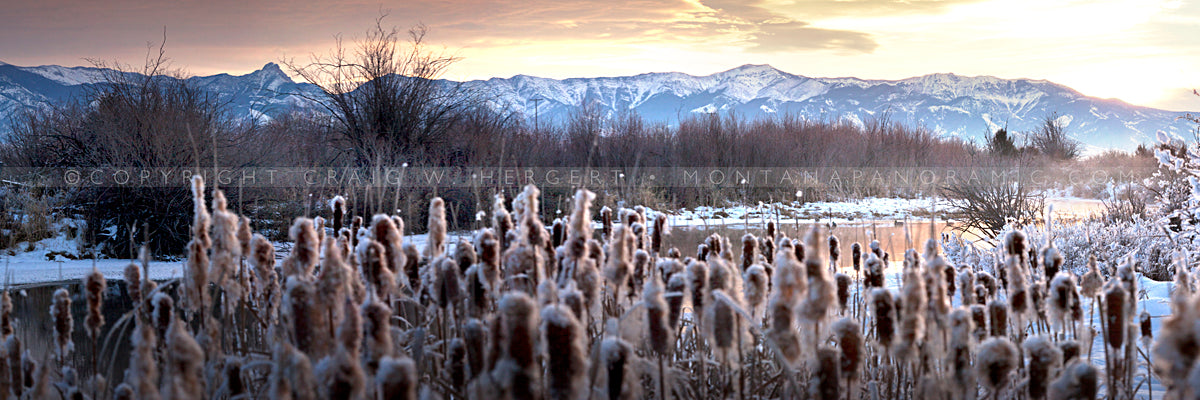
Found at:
<point>794,35</point>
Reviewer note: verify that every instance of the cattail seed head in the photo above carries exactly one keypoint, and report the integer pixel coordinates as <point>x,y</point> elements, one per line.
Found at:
<point>385,232</point>
<point>749,249</point>
<point>979,319</point>
<point>988,282</point>
<point>340,376</point>
<point>377,330</point>
<point>873,274</point>
<point>848,336</point>
<point>1063,297</point>
<point>94,284</point>
<point>1045,359</point>
<point>697,276</point>
<point>64,323</point>
<point>966,281</point>
<point>756,282</point>
<point>1147,330</point>
<point>519,323</point>
<point>827,375</point>
<point>883,305</point>
<point>783,333</point>
<point>306,322</point>
<point>835,249</point>
<point>998,317</point>
<point>1092,281</point>
<point>1052,260</point>
<point>567,362</point>
<point>436,242</point>
<point>617,356</point>
<point>856,255</point>
<point>1115,316</point>
<point>997,357</point>
<point>1079,380</point>
<point>676,291</point>
<point>659,334</point>
<point>843,289</point>
<point>133,284</point>
<point>185,364</point>
<point>305,253</point>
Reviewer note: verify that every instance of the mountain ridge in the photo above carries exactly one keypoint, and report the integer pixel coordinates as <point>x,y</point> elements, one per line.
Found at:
<point>949,104</point>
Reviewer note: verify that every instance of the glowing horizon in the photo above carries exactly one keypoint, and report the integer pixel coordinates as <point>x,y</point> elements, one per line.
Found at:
<point>1141,52</point>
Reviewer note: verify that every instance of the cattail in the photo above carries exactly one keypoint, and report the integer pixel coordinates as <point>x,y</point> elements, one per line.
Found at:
<point>659,334</point>
<point>966,280</point>
<point>827,375</point>
<point>799,249</point>
<point>988,282</point>
<point>979,318</point>
<point>262,257</point>
<point>1079,381</point>
<point>1115,314</point>
<point>996,359</point>
<point>196,275</point>
<point>133,285</point>
<point>547,293</point>
<point>571,297</point>
<point>475,342</point>
<point>783,333</point>
<point>372,258</point>
<point>185,364</point>
<point>656,235</point>
<point>64,323</point>
<point>1063,297</point>
<point>292,375</point>
<point>749,249</point>
<point>961,329</point>
<point>566,361</point>
<point>226,251</point>
<point>16,378</point>
<point>1147,329</point>
<point>350,331</point>
<point>386,233</point>
<point>464,255</point>
<point>848,336</point>
<point>617,356</point>
<point>376,318</point>
<point>676,290</point>
<point>1018,288</point>
<point>436,243</point>
<point>305,253</point>
<point>338,207</point>
<point>883,304</point>
<point>713,242</point>
<point>558,232</point>
<point>697,276</point>
<point>1044,361</point>
<point>331,286</point>
<point>720,321</point>
<point>163,313</point>
<point>821,291</point>
<point>1092,281</point>
<point>478,297</point>
<point>587,276</point>
<point>873,274</point>
<point>309,328</point>
<point>756,281</point>
<point>770,230</point>
<point>641,263</point>
<point>518,318</point>
<point>232,372</point>
<point>843,289</point>
<point>446,288</point>
<point>94,284</point>
<point>998,317</point>
<point>949,274</point>
<point>835,250</point>
<point>1014,243</point>
<point>606,221</point>
<point>619,264</point>
<point>319,227</point>
<point>856,255</point>
<point>1052,260</point>
<point>397,378</point>
<point>123,392</point>
<point>912,312</point>
<point>340,376</point>
<point>488,248</point>
<point>702,252</point>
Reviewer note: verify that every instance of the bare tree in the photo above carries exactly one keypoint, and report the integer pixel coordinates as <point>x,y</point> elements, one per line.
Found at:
<point>1051,140</point>
<point>386,97</point>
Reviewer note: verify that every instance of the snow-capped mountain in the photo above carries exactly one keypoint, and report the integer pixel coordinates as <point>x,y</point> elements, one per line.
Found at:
<point>968,107</point>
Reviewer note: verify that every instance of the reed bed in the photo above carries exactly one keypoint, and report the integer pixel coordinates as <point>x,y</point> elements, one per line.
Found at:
<point>525,312</point>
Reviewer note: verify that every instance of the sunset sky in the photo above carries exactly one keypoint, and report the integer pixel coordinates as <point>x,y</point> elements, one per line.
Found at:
<point>1146,52</point>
